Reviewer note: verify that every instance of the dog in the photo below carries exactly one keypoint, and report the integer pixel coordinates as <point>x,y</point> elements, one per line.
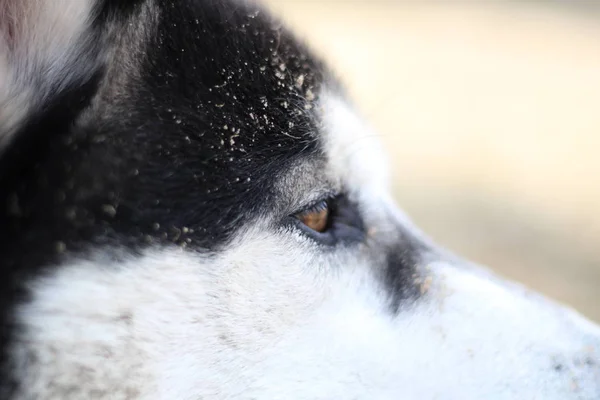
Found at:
<point>193,209</point>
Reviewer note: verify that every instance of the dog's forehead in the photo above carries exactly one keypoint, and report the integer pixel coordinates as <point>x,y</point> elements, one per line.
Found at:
<point>232,73</point>
<point>234,103</point>
<point>204,109</point>
<point>198,123</point>
<point>197,111</point>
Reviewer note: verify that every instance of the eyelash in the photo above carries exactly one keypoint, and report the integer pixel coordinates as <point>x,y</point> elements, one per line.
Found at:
<point>317,207</point>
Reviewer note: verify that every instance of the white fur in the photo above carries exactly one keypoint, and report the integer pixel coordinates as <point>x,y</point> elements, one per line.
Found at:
<point>354,151</point>
<point>40,41</point>
<point>274,316</point>
<point>175,325</point>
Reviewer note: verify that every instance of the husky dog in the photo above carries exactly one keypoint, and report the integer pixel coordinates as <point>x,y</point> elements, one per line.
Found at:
<point>192,209</point>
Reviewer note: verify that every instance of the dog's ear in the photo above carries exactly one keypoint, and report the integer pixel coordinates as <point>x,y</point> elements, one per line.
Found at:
<point>46,46</point>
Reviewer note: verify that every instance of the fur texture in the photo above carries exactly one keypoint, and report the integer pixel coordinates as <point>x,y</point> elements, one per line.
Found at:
<point>154,155</point>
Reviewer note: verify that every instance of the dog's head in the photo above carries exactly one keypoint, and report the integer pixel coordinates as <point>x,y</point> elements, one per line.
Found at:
<point>192,209</point>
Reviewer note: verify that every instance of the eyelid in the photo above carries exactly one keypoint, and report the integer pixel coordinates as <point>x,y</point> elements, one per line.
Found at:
<point>320,199</point>
<point>317,207</point>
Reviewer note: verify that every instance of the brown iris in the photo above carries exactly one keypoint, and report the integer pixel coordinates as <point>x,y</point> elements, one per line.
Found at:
<point>316,218</point>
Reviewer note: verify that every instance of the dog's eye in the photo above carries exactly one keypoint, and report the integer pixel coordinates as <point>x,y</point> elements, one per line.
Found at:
<point>317,217</point>
<point>330,221</point>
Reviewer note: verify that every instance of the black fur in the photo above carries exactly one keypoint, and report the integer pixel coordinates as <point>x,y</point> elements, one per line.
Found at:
<point>404,282</point>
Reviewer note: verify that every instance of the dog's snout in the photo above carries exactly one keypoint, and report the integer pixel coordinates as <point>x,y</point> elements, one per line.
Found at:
<point>582,365</point>
<point>542,348</point>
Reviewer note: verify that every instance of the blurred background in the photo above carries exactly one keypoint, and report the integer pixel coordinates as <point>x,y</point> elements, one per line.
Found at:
<point>490,112</point>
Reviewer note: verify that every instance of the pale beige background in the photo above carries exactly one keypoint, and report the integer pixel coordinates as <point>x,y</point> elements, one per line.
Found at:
<point>491,114</point>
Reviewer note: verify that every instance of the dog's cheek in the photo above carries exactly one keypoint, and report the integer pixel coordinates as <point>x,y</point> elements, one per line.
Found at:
<point>268,285</point>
